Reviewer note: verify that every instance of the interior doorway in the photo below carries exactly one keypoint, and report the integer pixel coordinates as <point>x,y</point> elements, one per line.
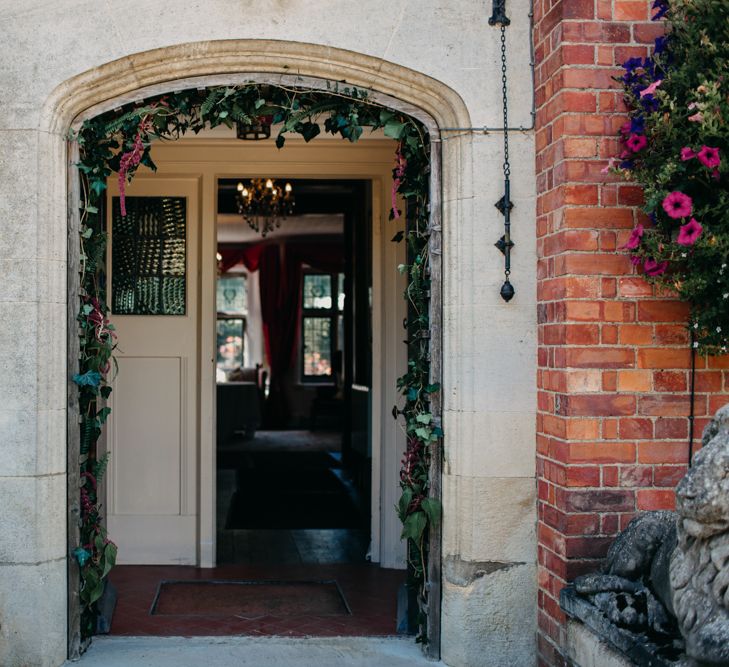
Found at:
<point>285,460</point>
<point>294,357</point>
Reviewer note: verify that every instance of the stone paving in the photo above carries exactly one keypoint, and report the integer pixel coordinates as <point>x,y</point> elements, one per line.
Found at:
<point>253,651</point>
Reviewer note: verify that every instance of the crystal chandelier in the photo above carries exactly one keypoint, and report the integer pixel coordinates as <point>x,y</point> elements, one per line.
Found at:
<point>263,204</point>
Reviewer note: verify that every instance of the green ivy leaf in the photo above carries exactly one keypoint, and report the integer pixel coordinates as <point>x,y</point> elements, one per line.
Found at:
<point>394,129</point>
<point>414,526</point>
<point>433,509</point>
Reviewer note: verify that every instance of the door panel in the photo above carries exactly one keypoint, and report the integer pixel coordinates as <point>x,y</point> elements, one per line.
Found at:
<point>147,469</point>
<point>153,427</point>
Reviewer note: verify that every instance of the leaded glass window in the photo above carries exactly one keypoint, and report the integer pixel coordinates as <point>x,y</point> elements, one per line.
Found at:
<point>148,256</point>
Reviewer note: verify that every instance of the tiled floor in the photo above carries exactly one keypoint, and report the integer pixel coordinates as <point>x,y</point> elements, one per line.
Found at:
<point>370,591</point>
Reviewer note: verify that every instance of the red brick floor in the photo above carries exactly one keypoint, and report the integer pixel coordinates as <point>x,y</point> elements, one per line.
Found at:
<point>370,591</point>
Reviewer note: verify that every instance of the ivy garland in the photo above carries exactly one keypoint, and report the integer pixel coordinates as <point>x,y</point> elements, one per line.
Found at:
<point>118,142</point>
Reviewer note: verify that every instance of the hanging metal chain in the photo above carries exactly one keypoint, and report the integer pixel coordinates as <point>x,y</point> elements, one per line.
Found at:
<point>505,103</point>
<point>505,244</point>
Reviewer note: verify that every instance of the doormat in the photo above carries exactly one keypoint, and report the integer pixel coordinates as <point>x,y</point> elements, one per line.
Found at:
<point>249,599</point>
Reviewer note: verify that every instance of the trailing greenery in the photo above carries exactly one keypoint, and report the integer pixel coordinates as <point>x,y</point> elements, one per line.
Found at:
<point>676,145</point>
<point>118,142</point>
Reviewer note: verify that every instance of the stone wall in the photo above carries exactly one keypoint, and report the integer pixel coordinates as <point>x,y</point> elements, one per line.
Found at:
<point>614,356</point>
<point>61,58</point>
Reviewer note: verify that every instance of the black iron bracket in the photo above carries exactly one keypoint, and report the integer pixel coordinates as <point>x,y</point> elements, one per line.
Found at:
<point>498,16</point>
<point>502,245</point>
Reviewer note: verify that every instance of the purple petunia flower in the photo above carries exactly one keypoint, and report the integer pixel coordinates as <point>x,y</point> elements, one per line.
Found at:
<point>687,154</point>
<point>689,233</point>
<point>660,44</point>
<point>677,205</point>
<point>637,125</point>
<point>631,64</point>
<point>662,7</point>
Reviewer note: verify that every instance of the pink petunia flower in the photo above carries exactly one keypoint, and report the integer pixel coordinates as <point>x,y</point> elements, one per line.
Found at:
<point>689,233</point>
<point>687,153</point>
<point>635,260</point>
<point>636,142</point>
<point>635,236</point>
<point>697,117</point>
<point>677,205</point>
<point>651,89</point>
<point>709,157</point>
<point>625,128</point>
<point>653,268</point>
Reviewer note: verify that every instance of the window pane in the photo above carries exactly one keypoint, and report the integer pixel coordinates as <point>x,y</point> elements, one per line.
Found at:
<point>230,344</point>
<point>148,256</point>
<point>317,346</point>
<point>317,291</point>
<point>232,295</point>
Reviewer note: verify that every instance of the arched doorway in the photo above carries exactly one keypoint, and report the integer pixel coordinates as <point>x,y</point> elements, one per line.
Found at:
<point>115,81</point>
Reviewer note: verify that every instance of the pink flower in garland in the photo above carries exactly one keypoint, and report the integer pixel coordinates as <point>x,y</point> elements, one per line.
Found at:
<point>636,142</point>
<point>677,205</point>
<point>635,237</point>
<point>687,154</point>
<point>653,268</point>
<point>709,157</point>
<point>129,160</point>
<point>697,117</point>
<point>651,89</point>
<point>689,233</point>
<point>400,165</point>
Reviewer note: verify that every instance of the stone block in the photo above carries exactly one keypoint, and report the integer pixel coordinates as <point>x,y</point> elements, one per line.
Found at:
<point>33,519</point>
<point>489,518</point>
<point>489,618</point>
<point>33,614</point>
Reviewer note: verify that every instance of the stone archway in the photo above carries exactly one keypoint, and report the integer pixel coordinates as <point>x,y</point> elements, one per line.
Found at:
<point>215,63</point>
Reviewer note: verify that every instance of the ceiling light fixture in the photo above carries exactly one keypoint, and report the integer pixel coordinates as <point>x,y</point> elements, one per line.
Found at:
<point>263,204</point>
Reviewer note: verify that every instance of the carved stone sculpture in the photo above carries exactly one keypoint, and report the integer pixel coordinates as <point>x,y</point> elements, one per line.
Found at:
<point>669,568</point>
<point>699,569</point>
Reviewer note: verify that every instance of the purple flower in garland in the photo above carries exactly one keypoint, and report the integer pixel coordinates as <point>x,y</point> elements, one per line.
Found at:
<point>677,205</point>
<point>687,153</point>
<point>662,7</point>
<point>689,233</point>
<point>636,142</point>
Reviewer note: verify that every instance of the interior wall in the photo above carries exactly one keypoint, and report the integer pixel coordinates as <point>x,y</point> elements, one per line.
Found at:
<point>63,58</point>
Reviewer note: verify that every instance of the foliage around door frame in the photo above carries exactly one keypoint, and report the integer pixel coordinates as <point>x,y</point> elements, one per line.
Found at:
<point>118,142</point>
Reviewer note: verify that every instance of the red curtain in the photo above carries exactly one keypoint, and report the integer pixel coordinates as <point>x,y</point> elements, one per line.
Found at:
<point>281,277</point>
<point>249,255</point>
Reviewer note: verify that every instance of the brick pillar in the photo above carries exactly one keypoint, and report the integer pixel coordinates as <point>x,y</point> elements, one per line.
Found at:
<point>614,356</point>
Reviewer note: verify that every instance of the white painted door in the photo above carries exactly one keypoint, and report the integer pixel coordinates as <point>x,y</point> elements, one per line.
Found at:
<point>153,428</point>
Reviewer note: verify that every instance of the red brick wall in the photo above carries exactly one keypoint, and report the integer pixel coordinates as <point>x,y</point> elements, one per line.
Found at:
<point>614,357</point>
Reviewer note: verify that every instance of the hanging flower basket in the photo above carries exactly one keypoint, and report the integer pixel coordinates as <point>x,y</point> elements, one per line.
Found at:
<point>676,145</point>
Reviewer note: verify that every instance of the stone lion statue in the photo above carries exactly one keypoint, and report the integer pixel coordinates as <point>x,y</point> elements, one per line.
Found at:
<point>699,566</point>
<point>669,569</point>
